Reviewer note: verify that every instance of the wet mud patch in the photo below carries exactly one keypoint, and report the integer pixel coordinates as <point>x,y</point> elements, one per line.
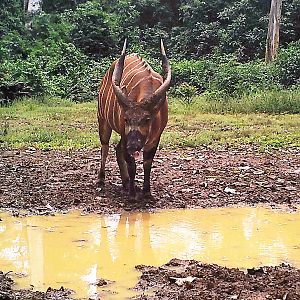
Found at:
<point>45,182</point>
<point>189,279</point>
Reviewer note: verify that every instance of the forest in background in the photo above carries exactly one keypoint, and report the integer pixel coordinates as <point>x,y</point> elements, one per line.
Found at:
<point>216,47</point>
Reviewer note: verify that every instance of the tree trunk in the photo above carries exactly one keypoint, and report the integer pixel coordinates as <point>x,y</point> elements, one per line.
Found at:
<point>273,31</point>
<point>31,7</point>
<point>25,5</point>
<point>34,6</point>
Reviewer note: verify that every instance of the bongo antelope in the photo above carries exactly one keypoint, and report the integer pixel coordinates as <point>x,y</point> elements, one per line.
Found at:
<point>132,101</point>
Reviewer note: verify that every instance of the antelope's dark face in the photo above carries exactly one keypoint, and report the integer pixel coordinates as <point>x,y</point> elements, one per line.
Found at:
<point>137,125</point>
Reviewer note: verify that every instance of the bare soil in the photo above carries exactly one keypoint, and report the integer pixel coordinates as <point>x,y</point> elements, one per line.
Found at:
<point>8,293</point>
<point>185,280</point>
<point>47,182</point>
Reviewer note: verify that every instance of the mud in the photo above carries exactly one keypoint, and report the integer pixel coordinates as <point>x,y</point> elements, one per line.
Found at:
<point>191,279</point>
<point>47,182</point>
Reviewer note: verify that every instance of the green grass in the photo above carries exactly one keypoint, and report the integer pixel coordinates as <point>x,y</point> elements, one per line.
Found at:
<point>53,124</point>
<point>273,102</point>
<point>62,124</point>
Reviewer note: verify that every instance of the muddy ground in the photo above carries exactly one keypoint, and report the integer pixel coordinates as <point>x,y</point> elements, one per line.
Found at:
<point>47,182</point>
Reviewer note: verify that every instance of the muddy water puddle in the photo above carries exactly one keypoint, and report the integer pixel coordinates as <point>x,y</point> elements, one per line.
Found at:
<point>75,251</point>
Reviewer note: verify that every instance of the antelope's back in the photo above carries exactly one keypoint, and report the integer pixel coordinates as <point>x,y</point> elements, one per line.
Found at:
<point>138,81</point>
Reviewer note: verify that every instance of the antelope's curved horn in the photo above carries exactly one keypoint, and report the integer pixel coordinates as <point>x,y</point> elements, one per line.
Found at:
<point>158,98</point>
<point>116,79</point>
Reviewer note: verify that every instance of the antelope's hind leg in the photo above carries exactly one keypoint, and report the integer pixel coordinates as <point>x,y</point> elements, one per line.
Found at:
<point>104,134</point>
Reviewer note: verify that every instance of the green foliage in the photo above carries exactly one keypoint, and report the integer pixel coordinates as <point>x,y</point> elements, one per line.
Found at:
<point>230,26</point>
<point>13,80</point>
<point>91,30</point>
<point>51,64</point>
<point>233,78</point>
<point>195,72</point>
<point>65,72</point>
<point>186,92</point>
<point>290,22</point>
<point>13,34</point>
<point>223,76</point>
<point>216,47</point>
<point>11,17</point>
<point>286,67</point>
<point>51,6</point>
<point>245,28</point>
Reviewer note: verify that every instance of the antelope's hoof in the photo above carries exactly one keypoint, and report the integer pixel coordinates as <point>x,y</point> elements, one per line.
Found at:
<point>125,185</point>
<point>132,195</point>
<point>146,193</point>
<point>99,183</point>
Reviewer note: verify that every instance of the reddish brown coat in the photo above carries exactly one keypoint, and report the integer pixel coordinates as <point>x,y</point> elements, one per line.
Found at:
<point>138,82</point>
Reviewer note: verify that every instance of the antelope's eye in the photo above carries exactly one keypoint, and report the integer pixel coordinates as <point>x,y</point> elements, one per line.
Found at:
<point>146,119</point>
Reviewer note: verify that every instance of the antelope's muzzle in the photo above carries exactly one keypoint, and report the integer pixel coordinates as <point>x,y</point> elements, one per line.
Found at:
<point>135,143</point>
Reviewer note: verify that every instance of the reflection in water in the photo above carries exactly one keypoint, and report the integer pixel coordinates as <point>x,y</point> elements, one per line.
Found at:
<point>74,251</point>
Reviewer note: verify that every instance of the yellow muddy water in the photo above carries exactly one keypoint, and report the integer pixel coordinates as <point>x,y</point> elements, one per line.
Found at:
<point>74,251</point>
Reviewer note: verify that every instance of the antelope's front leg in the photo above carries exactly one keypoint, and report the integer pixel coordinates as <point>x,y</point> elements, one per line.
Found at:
<point>147,164</point>
<point>131,166</point>
<point>104,134</point>
<point>122,165</point>
<point>101,174</point>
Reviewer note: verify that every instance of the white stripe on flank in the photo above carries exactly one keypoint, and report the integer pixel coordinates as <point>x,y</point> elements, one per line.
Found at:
<point>119,114</point>
<point>103,84</point>
<point>103,96</point>
<point>135,74</point>
<point>106,99</point>
<point>158,79</point>
<point>114,112</point>
<point>136,67</point>
<point>109,96</point>
<point>142,79</point>
<point>127,66</point>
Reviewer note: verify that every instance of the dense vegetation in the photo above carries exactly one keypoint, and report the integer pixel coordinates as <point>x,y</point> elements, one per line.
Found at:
<point>216,47</point>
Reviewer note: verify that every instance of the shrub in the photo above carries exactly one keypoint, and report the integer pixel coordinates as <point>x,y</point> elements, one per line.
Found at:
<point>234,79</point>
<point>185,91</point>
<point>286,67</point>
<point>62,71</point>
<point>91,30</point>
<point>194,72</point>
<point>13,81</point>
<point>223,76</point>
